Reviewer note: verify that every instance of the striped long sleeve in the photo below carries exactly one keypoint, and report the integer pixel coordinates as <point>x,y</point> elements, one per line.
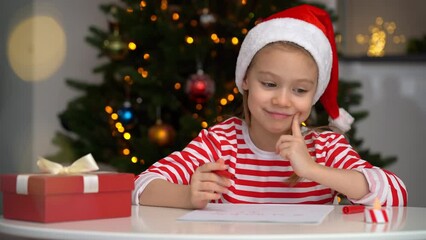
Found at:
<point>261,176</point>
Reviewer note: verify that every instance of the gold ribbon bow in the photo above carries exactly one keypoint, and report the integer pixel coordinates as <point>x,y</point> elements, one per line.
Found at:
<point>84,164</point>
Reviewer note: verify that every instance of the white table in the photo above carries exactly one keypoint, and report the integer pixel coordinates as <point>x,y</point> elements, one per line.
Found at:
<point>160,223</point>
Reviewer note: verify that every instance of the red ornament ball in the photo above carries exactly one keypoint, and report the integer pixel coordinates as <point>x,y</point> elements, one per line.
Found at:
<point>200,87</point>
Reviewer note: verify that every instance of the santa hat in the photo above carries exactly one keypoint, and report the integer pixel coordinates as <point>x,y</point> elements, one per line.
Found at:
<point>311,28</point>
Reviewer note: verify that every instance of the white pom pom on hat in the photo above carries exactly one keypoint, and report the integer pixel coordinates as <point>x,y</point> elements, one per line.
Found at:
<point>311,28</point>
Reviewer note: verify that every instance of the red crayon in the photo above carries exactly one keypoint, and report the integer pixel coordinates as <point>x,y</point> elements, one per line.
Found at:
<point>225,173</point>
<point>353,209</point>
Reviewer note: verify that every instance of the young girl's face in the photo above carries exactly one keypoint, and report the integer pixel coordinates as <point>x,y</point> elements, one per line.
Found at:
<point>281,81</point>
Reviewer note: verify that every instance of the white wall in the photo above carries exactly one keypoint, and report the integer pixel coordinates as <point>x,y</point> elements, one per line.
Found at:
<point>393,93</point>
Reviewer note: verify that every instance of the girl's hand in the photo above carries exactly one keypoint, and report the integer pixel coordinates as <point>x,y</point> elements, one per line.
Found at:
<point>293,148</point>
<point>206,186</point>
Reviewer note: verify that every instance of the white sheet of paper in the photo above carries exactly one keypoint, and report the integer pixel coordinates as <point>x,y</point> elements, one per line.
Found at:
<point>284,213</point>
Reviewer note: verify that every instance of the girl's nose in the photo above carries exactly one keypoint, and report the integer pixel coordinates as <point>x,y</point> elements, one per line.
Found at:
<point>281,98</point>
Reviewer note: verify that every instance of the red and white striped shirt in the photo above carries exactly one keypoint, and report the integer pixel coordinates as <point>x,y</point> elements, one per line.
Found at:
<point>261,176</point>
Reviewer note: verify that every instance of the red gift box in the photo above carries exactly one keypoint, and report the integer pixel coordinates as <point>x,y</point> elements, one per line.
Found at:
<point>56,198</point>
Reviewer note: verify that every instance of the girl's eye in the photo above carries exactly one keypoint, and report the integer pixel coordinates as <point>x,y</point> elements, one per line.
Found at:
<point>300,90</point>
<point>269,84</point>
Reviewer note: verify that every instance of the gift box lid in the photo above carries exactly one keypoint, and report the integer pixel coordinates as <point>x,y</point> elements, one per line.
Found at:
<point>49,184</point>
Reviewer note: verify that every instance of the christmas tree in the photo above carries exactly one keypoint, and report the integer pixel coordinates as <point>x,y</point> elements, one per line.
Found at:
<point>169,73</point>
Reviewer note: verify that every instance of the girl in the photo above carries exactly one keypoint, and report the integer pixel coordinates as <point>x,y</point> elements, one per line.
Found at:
<point>285,65</point>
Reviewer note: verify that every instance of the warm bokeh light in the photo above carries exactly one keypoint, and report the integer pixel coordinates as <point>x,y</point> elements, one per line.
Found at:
<point>204,124</point>
<point>132,46</point>
<point>175,16</point>
<point>127,136</point>
<point>199,106</point>
<point>189,40</point>
<point>164,4</point>
<point>144,74</point>
<point>36,48</point>
<point>126,151</point>
<point>118,125</point>
<point>223,101</point>
<point>381,34</point>
<point>235,41</point>
<point>108,109</point>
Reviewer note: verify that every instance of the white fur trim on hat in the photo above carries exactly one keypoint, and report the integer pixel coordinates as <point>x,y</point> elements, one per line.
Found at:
<point>293,30</point>
<point>343,122</point>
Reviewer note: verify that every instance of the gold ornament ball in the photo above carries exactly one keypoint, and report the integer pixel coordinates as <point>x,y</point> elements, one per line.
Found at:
<point>161,134</point>
<point>115,47</point>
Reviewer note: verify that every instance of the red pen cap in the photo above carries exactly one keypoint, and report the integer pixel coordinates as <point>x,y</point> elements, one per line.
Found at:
<point>353,209</point>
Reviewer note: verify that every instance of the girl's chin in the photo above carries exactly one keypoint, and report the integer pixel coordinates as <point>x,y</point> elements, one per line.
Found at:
<point>277,130</point>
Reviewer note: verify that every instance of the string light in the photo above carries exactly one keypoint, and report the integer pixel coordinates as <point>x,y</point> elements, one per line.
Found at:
<point>178,86</point>
<point>235,90</point>
<point>144,74</point>
<point>146,56</point>
<point>175,16</point>
<point>132,46</point>
<point>204,124</point>
<point>215,38</point>
<point>164,4</point>
<point>223,101</point>
<point>128,79</point>
<point>126,151</point>
<point>108,109</point>
<point>153,18</point>
<point>189,40</point>
<point>199,106</point>
<point>235,40</point>
<point>127,136</point>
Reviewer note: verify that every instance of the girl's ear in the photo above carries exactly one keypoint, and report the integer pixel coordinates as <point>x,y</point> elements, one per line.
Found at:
<point>245,83</point>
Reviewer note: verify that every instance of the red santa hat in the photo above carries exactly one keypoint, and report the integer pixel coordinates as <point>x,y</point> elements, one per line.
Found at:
<point>311,28</point>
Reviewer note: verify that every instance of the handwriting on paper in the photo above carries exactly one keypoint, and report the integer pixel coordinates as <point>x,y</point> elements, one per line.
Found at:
<point>286,213</point>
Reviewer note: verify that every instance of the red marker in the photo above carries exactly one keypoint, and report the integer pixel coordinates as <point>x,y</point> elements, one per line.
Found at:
<point>225,173</point>
<point>353,209</point>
